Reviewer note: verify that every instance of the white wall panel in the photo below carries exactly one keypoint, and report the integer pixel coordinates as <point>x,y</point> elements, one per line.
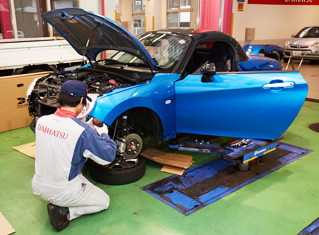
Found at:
<point>274,23</point>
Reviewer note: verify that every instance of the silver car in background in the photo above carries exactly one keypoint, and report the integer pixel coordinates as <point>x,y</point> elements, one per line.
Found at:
<point>303,45</point>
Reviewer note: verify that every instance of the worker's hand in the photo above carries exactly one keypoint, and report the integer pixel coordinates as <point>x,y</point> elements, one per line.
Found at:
<point>101,130</point>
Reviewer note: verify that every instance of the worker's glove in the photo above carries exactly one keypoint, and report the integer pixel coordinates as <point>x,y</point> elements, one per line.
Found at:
<point>101,130</point>
<point>90,122</point>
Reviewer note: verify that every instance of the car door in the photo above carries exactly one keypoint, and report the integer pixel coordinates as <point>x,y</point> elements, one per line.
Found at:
<point>258,105</point>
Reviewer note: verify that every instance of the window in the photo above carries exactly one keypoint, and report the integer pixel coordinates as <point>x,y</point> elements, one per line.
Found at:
<point>28,18</point>
<point>164,48</point>
<point>138,24</point>
<point>178,13</point>
<point>177,4</point>
<point>138,16</point>
<point>138,5</point>
<point>29,22</point>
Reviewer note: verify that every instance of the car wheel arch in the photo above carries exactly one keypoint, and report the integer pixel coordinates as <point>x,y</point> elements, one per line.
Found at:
<point>142,120</point>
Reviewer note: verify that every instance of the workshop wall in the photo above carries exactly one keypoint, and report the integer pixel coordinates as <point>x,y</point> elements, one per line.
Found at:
<point>94,6</point>
<point>272,23</point>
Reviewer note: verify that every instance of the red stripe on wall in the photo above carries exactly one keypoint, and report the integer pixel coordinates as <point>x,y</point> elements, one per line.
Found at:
<point>227,19</point>
<point>5,20</point>
<point>209,14</point>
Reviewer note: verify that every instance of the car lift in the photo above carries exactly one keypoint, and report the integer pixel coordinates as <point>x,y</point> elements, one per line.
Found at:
<point>240,151</point>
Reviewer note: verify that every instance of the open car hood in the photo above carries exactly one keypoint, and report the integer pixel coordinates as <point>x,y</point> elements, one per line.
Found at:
<point>89,34</point>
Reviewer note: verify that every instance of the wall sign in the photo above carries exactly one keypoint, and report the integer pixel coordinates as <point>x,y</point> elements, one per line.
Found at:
<point>285,2</point>
<point>240,6</point>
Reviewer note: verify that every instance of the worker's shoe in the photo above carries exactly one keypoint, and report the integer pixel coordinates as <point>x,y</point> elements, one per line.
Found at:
<point>58,216</point>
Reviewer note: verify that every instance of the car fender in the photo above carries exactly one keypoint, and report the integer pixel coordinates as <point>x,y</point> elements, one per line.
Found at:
<point>157,95</point>
<point>257,63</point>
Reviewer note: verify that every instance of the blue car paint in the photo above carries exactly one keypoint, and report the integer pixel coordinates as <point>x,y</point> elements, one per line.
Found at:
<point>257,63</point>
<point>157,95</point>
<point>220,107</point>
<point>255,48</point>
<point>233,104</point>
<point>78,38</point>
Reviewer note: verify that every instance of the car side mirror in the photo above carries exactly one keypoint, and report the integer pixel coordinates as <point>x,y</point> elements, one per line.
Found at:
<point>207,71</point>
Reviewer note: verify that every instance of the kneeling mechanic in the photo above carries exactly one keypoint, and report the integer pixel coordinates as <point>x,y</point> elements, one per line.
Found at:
<point>63,144</point>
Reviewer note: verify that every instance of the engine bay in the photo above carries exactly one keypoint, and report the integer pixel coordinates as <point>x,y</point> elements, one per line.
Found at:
<point>44,96</point>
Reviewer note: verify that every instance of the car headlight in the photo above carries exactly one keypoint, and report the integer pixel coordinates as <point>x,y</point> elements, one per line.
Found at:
<point>31,86</point>
<point>286,43</point>
<point>316,44</point>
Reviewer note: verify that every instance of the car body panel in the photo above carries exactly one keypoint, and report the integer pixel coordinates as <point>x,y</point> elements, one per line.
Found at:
<point>89,33</point>
<point>228,106</point>
<point>257,63</point>
<point>238,105</point>
<point>255,49</point>
<point>157,95</point>
<point>234,103</point>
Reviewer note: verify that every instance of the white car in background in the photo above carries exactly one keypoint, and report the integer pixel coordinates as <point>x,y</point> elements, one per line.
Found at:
<point>304,44</point>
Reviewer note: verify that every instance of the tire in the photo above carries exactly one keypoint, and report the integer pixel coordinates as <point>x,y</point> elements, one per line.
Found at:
<point>118,173</point>
<point>276,55</point>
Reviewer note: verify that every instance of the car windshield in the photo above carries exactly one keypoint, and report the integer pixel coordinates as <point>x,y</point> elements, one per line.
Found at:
<point>165,48</point>
<point>308,32</point>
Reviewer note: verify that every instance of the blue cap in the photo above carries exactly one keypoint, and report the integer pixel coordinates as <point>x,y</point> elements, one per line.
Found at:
<point>75,88</point>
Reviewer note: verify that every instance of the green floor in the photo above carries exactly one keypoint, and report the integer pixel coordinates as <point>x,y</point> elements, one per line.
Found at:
<point>283,202</point>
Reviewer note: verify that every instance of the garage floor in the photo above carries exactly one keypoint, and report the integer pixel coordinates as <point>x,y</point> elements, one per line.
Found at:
<point>283,202</point>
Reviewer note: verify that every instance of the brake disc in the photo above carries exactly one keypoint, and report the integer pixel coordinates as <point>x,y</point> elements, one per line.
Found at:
<point>134,146</point>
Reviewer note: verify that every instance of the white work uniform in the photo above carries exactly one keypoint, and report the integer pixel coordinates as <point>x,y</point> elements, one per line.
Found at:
<point>63,144</point>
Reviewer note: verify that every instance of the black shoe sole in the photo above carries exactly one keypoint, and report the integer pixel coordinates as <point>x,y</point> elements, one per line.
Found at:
<point>57,220</point>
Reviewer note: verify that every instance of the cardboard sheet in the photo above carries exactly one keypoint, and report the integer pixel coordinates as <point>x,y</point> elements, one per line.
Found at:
<point>5,226</point>
<point>27,149</point>
<point>173,163</point>
<point>12,99</point>
<point>173,170</point>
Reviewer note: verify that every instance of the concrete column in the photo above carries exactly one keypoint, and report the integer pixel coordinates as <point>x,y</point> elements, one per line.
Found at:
<point>155,11</point>
<point>149,13</point>
<point>194,24</point>
<point>109,8</point>
<point>125,14</point>
<point>163,17</point>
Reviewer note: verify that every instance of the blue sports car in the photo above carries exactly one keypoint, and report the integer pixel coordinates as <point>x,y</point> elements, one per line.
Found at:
<point>164,82</point>
<point>268,50</point>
